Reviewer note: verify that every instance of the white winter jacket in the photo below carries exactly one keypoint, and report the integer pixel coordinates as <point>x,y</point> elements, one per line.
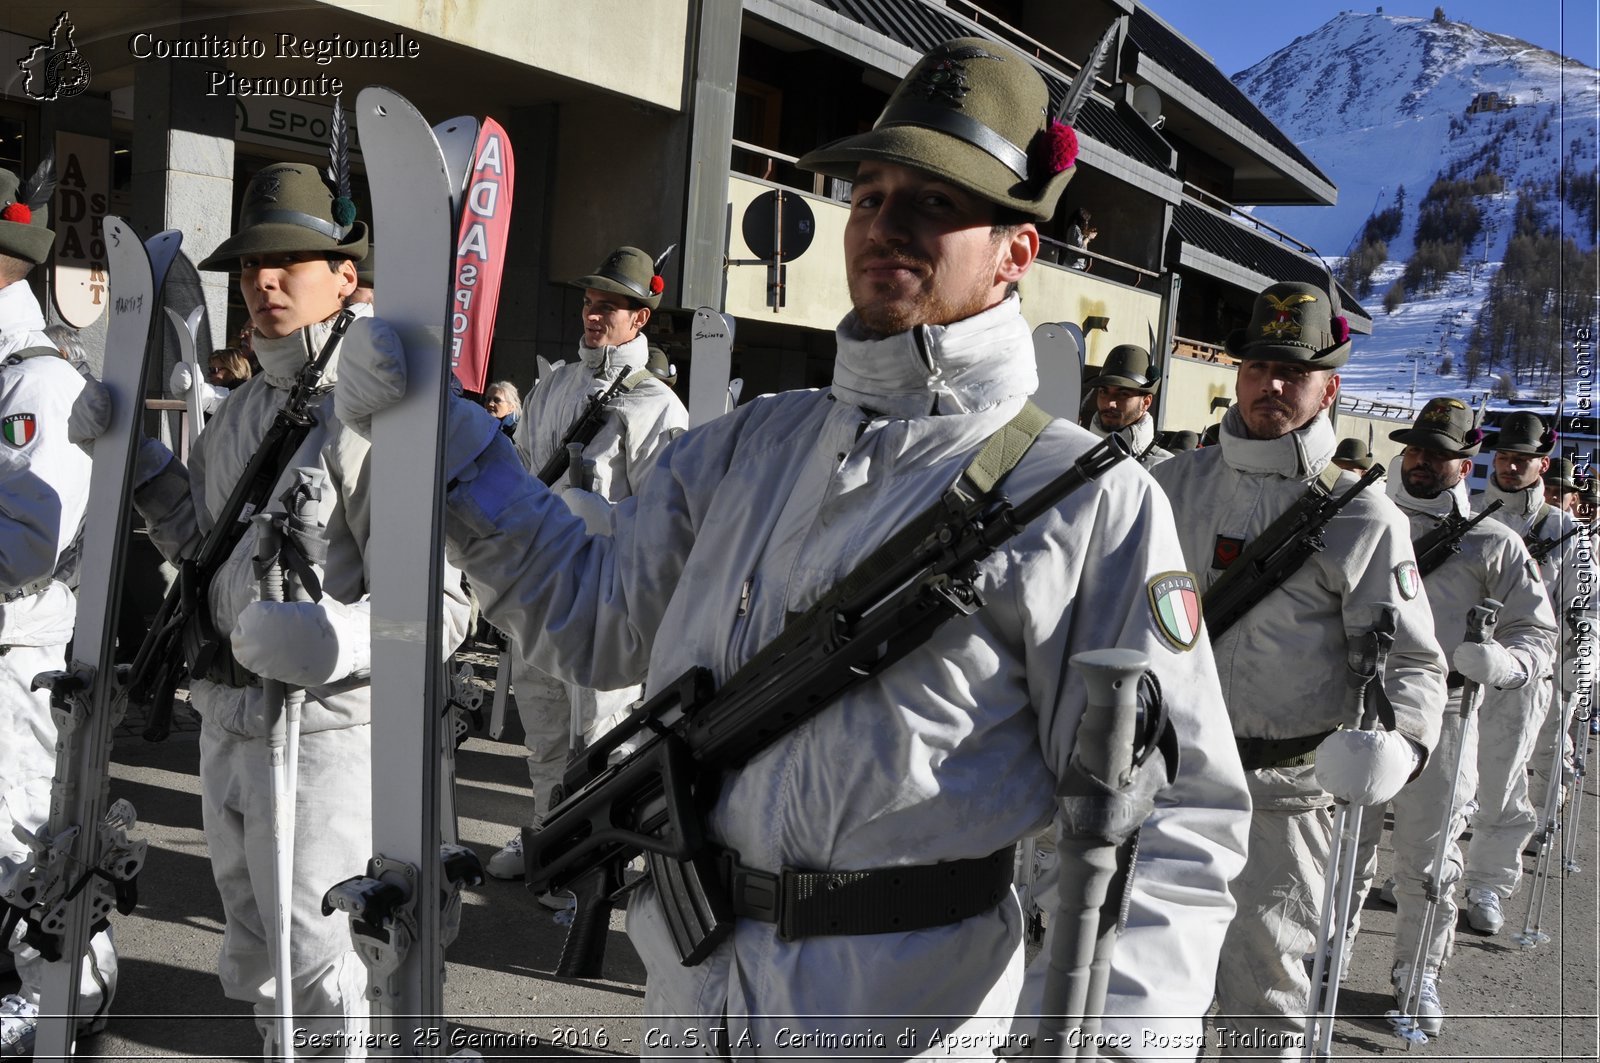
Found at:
<point>952,753</point>
<point>1569,570</point>
<point>1492,563</point>
<point>44,478</point>
<point>640,423</point>
<point>180,504</point>
<point>1282,665</point>
<point>1141,437</point>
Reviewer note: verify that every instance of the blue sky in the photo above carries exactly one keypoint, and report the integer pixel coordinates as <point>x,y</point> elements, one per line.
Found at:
<point>1240,33</point>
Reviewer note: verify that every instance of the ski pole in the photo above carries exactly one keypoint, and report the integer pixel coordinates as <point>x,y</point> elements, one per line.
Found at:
<point>1107,792</point>
<point>1580,770</point>
<point>1481,620</point>
<point>502,686</point>
<point>1531,935</point>
<point>1365,663</point>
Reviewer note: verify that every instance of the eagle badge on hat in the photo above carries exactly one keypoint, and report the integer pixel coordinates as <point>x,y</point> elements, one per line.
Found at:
<point>1287,323</point>
<point>1175,607</point>
<point>19,429</point>
<point>946,79</point>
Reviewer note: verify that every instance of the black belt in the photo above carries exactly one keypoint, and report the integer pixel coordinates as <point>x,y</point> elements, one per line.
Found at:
<point>880,901</point>
<point>1258,753</point>
<point>28,590</point>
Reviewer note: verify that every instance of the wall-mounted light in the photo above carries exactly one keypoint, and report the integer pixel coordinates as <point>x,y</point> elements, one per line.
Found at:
<point>1101,323</point>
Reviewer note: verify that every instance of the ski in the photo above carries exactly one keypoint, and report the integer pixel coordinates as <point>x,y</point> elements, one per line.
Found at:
<point>1058,350</point>
<point>710,365</point>
<point>403,912</point>
<point>84,861</point>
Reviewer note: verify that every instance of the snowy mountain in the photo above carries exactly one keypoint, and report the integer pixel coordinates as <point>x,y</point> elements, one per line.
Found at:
<point>1380,102</point>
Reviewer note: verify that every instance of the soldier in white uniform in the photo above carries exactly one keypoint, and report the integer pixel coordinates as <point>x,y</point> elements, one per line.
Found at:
<point>1123,391</point>
<point>296,263</point>
<point>1282,663</point>
<point>618,298</point>
<point>1519,726</point>
<point>942,762</point>
<point>1491,563</point>
<point>44,491</point>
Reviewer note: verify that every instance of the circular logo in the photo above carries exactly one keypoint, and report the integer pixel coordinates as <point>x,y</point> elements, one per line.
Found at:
<point>66,75</point>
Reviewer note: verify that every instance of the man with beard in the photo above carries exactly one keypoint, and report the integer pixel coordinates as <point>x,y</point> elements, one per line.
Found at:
<point>1124,389</point>
<point>932,769</point>
<point>1283,663</point>
<point>1491,563</point>
<point>1520,725</point>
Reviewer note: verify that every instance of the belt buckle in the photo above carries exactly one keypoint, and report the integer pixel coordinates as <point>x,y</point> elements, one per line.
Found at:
<point>756,894</point>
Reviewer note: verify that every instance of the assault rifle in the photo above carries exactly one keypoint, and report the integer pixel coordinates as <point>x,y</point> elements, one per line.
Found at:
<point>1443,541</point>
<point>654,799</point>
<point>582,431</point>
<point>182,630</point>
<point>1275,555</point>
<point>1540,548</point>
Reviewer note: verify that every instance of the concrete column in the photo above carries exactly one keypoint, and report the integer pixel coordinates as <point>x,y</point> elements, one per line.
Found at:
<point>715,65</point>
<point>183,179</point>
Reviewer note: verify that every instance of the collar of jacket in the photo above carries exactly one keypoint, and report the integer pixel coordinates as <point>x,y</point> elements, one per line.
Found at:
<point>21,321</point>
<point>1140,434</point>
<point>605,359</point>
<point>1300,455</point>
<point>1524,503</point>
<point>281,357</point>
<point>1453,501</point>
<point>968,365</point>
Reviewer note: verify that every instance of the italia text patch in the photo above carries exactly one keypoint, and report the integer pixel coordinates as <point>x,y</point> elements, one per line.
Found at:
<point>1407,579</point>
<point>1226,552</point>
<point>19,428</point>
<point>1175,607</point>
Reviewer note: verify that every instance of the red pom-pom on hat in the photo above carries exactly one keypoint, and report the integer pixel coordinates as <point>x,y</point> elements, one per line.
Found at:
<point>17,212</point>
<point>657,285</point>
<point>1341,329</point>
<point>1060,147</point>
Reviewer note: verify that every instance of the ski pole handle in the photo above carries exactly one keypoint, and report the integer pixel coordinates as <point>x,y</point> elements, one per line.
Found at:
<point>1367,661</point>
<point>1105,742</point>
<point>1481,621</point>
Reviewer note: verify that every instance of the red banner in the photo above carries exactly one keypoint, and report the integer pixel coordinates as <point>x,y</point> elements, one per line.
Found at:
<point>480,256</point>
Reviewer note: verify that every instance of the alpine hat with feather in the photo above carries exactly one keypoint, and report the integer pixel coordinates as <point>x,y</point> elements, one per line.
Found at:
<point>977,114</point>
<point>287,207</point>
<point>25,213</point>
<point>1524,433</point>
<point>629,271</point>
<point>1294,322</point>
<point>1445,424</point>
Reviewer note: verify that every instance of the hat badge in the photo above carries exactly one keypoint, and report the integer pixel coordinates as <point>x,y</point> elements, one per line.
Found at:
<point>946,79</point>
<point>1285,324</point>
<point>267,185</point>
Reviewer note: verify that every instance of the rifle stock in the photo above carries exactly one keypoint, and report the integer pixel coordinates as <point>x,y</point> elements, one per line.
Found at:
<point>582,432</point>
<point>653,800</point>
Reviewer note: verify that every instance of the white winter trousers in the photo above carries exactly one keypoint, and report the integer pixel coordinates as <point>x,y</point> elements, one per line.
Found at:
<point>547,707</point>
<point>27,762</point>
<point>333,839</point>
<point>1510,726</point>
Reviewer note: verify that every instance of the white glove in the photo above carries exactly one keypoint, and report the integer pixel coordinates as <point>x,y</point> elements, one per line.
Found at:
<point>181,380</point>
<point>90,416</point>
<point>372,373</point>
<point>304,644</point>
<point>1488,663</point>
<point>1365,767</point>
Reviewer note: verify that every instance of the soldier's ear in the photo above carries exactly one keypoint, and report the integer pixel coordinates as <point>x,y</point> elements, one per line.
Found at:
<point>1019,247</point>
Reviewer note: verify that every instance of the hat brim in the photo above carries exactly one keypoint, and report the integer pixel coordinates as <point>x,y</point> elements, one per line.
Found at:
<point>615,287</point>
<point>1111,380</point>
<point>949,158</point>
<point>1423,437</point>
<point>276,238</point>
<point>32,242</point>
<point>1268,351</point>
<point>1523,448</point>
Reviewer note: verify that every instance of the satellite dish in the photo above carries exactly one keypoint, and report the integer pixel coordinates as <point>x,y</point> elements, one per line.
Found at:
<point>1147,102</point>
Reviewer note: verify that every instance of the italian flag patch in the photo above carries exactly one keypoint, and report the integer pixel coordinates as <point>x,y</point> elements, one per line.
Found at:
<point>1175,607</point>
<point>19,429</point>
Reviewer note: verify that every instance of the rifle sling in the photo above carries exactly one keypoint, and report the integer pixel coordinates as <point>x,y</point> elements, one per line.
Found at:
<point>1242,566</point>
<point>972,490</point>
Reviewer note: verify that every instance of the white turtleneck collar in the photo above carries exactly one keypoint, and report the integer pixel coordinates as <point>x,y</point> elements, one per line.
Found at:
<point>1522,504</point>
<point>604,359</point>
<point>1301,454</point>
<point>281,357</point>
<point>1452,501</point>
<point>1140,434</point>
<point>967,365</point>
